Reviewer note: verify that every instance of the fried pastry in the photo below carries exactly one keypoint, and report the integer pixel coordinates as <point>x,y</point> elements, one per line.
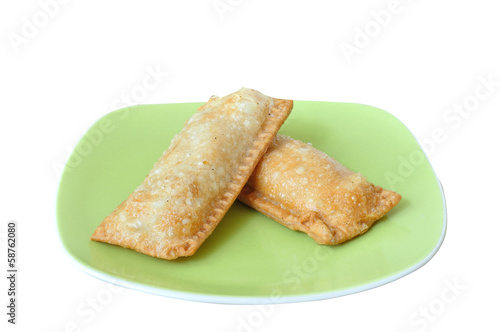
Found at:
<point>306,190</point>
<point>193,184</point>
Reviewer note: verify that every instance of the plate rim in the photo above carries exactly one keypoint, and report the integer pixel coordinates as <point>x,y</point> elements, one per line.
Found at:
<point>254,300</point>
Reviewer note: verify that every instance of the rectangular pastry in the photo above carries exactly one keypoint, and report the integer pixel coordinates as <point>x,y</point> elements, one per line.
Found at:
<point>193,184</point>
<point>306,190</point>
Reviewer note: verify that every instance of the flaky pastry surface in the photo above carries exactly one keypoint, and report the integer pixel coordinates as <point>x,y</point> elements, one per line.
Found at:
<point>193,184</point>
<point>306,190</point>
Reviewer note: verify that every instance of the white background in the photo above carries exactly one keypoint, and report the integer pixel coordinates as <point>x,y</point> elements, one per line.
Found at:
<point>72,66</point>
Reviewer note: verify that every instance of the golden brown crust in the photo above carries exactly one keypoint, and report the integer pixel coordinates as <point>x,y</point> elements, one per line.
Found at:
<point>194,183</point>
<point>306,190</point>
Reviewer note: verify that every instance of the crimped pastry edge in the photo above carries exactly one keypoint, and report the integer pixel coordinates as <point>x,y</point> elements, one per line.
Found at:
<point>278,114</point>
<point>305,220</point>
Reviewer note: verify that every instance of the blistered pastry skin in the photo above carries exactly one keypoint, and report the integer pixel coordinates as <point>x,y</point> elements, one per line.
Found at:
<point>191,187</point>
<point>306,190</point>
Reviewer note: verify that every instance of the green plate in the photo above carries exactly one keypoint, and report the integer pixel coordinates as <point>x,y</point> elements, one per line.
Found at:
<point>250,258</point>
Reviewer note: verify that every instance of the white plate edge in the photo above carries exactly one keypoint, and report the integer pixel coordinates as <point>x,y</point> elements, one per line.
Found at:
<point>247,300</point>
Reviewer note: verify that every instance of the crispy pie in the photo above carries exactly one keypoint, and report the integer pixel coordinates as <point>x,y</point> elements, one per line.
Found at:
<point>193,184</point>
<point>306,190</point>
